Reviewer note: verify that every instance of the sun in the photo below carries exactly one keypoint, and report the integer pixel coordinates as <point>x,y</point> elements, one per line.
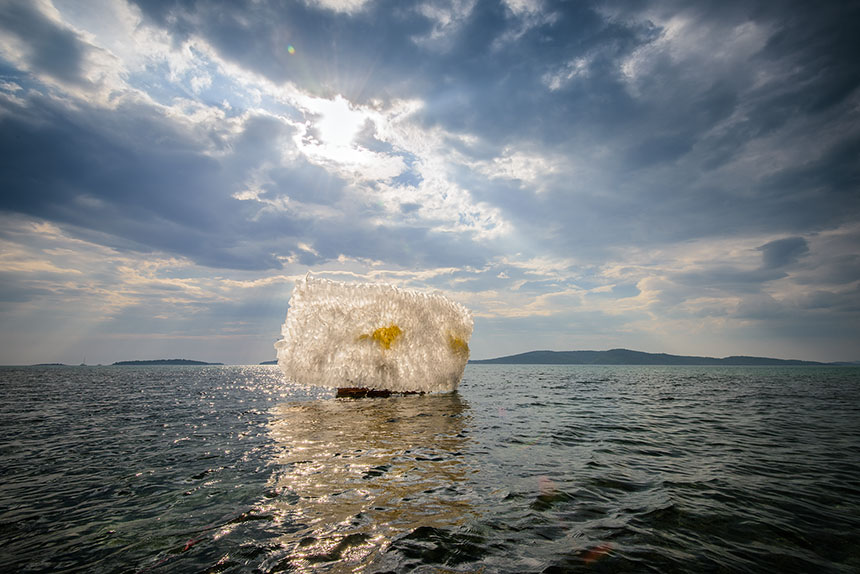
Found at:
<point>330,137</point>
<point>339,122</point>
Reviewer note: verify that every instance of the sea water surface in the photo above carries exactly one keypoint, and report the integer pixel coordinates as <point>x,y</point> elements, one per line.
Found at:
<point>524,469</point>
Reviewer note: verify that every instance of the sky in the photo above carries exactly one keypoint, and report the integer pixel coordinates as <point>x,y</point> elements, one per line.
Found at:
<point>666,176</point>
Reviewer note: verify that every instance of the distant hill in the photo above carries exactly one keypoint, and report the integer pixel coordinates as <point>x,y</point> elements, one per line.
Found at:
<point>272,362</point>
<point>164,362</point>
<point>628,357</point>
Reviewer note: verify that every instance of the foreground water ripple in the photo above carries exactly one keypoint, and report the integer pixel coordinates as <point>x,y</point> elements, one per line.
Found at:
<point>525,469</point>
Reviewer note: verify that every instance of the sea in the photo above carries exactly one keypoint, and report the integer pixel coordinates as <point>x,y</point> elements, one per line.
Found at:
<point>526,468</point>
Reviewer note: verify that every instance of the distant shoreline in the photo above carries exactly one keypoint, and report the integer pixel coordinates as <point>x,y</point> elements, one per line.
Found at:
<point>163,362</point>
<point>628,357</point>
<point>610,357</point>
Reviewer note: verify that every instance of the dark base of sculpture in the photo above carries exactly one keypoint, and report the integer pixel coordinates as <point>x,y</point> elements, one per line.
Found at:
<point>364,392</point>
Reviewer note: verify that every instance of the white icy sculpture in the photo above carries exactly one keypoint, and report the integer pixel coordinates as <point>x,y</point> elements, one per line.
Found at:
<point>373,336</point>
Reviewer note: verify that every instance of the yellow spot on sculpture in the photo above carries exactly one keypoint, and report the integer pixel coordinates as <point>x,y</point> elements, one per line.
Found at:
<point>385,336</point>
<point>459,346</point>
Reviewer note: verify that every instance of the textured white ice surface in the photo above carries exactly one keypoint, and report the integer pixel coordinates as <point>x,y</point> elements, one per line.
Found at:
<point>373,335</point>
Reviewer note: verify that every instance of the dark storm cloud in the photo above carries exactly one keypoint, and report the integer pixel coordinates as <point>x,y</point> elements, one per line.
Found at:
<point>13,291</point>
<point>409,246</point>
<point>777,255</point>
<point>726,279</point>
<point>335,53</point>
<point>782,252</point>
<point>128,174</point>
<point>48,48</point>
<point>823,41</point>
<point>676,122</point>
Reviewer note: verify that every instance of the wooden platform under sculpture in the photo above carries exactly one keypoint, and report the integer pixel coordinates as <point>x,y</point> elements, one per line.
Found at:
<point>364,392</point>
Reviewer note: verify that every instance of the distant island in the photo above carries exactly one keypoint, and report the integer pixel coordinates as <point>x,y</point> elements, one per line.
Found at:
<point>628,357</point>
<point>164,362</point>
<point>272,362</point>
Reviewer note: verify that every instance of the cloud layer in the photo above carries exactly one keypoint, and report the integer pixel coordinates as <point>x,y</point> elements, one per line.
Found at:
<point>669,177</point>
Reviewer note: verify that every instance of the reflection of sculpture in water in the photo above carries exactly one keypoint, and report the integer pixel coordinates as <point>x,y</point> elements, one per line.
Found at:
<point>354,475</point>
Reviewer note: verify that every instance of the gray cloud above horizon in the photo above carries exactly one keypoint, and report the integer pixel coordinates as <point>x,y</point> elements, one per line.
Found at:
<point>678,177</point>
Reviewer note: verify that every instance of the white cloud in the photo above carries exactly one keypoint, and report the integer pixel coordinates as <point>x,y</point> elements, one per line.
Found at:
<point>575,68</point>
<point>528,14</point>
<point>699,50</point>
<point>447,17</point>
<point>344,6</point>
<point>439,196</point>
<point>522,8</point>
<point>201,82</point>
<point>441,202</point>
<point>532,169</point>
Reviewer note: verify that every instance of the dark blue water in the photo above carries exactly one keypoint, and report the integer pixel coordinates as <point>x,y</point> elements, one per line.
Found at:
<point>524,469</point>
